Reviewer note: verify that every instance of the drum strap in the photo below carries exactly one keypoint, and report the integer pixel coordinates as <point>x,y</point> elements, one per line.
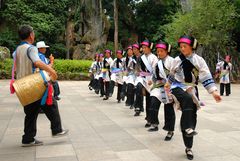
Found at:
<point>44,98</point>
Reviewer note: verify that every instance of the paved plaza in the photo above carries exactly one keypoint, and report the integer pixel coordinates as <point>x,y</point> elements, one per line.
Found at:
<point>108,131</point>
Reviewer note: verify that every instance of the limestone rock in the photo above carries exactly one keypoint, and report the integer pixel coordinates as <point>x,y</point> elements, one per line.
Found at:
<point>4,53</point>
<point>90,29</point>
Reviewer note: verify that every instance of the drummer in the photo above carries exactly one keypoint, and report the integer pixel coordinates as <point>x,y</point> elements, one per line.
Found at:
<point>26,55</point>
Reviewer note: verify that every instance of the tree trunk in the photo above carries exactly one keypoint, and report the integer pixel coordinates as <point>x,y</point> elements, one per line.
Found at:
<point>115,26</point>
<point>1,4</point>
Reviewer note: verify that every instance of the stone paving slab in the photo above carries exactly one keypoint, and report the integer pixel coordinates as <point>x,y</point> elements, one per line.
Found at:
<point>107,131</point>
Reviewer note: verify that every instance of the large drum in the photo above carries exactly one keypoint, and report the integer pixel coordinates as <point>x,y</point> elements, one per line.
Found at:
<point>31,88</point>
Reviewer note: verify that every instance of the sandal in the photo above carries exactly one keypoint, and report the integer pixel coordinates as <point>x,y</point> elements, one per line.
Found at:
<point>189,153</point>
<point>147,125</point>
<point>190,132</point>
<point>153,129</point>
<point>169,136</point>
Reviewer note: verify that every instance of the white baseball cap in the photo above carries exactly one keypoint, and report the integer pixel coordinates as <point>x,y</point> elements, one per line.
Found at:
<point>41,44</point>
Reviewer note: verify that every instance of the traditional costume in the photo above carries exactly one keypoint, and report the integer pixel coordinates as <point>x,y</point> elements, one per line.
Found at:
<point>99,75</point>
<point>129,77</point>
<point>138,103</point>
<point>148,62</point>
<point>117,73</point>
<point>223,69</point>
<point>187,71</point>
<point>159,95</point>
<point>106,74</point>
<point>92,72</point>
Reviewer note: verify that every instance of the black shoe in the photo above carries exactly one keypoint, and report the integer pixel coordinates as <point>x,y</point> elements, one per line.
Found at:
<point>57,98</point>
<point>119,101</point>
<point>131,107</point>
<point>227,94</point>
<point>189,154</point>
<point>190,132</point>
<point>106,98</point>
<point>97,91</point>
<point>147,125</point>
<point>137,113</point>
<point>90,88</point>
<point>60,134</point>
<point>34,143</point>
<point>101,95</point>
<point>153,129</point>
<point>169,136</point>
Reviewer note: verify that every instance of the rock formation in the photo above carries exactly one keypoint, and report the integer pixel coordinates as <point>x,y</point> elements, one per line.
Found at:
<point>4,53</point>
<point>87,29</point>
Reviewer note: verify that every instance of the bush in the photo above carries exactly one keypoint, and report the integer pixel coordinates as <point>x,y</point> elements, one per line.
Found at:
<point>72,66</point>
<point>66,69</point>
<point>6,69</point>
<point>72,69</point>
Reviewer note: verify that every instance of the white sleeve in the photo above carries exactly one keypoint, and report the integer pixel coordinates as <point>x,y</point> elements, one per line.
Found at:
<point>113,63</point>
<point>205,76</point>
<point>173,66</point>
<point>218,66</point>
<point>230,65</point>
<point>33,54</point>
<point>154,62</point>
<point>91,68</point>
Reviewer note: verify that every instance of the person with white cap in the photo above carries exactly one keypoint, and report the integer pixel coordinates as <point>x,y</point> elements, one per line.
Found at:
<point>42,48</point>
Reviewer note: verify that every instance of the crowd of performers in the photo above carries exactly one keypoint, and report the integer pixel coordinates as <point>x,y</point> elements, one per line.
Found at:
<point>161,79</point>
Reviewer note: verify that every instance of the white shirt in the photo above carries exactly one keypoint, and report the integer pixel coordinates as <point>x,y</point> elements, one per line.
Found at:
<point>205,76</point>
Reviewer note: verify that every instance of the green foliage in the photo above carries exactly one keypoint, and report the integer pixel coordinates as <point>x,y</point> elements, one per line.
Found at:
<point>6,68</point>
<point>66,69</point>
<point>47,17</point>
<point>149,18</point>
<point>236,31</point>
<point>209,21</point>
<point>73,66</point>
<point>8,38</point>
<point>72,69</point>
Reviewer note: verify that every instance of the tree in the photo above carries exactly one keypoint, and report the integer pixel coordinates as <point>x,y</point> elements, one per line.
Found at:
<point>150,14</point>
<point>211,22</point>
<point>115,25</point>
<point>46,16</point>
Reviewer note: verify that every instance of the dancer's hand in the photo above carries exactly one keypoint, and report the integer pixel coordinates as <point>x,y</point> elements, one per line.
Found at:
<point>167,86</point>
<point>216,96</point>
<point>150,82</point>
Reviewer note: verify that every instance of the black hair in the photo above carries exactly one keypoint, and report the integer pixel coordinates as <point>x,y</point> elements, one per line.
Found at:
<point>25,31</point>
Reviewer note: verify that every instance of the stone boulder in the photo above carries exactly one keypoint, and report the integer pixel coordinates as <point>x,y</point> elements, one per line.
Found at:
<point>4,53</point>
<point>90,32</point>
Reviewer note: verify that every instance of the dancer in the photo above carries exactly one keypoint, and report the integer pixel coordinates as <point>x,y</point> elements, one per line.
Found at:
<point>158,93</point>
<point>188,68</point>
